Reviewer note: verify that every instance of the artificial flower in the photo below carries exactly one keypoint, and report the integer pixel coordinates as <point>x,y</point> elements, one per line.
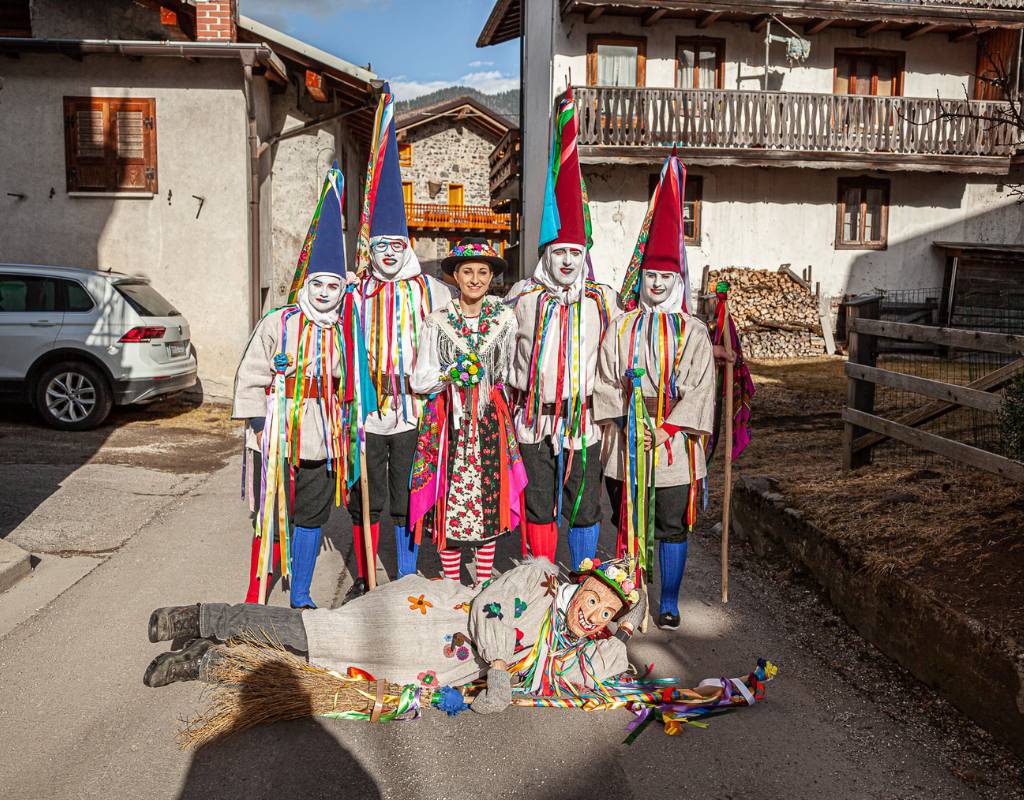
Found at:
<point>419,604</point>
<point>586,565</point>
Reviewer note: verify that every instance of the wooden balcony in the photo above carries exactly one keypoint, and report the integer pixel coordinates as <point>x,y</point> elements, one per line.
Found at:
<point>505,163</point>
<point>425,218</point>
<point>825,131</point>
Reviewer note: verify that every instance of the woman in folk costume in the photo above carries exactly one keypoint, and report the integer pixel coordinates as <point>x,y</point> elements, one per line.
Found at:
<point>395,298</point>
<point>467,469</point>
<point>303,389</point>
<point>658,381</point>
<point>562,315</point>
<point>524,628</point>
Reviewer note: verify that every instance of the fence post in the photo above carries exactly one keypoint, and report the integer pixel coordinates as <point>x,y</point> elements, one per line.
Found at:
<point>860,395</point>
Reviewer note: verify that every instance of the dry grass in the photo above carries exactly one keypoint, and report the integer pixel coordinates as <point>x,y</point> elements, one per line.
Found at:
<point>952,530</point>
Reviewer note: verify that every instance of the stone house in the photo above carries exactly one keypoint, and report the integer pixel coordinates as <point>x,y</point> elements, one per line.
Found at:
<point>858,156</point>
<point>176,140</point>
<point>443,153</point>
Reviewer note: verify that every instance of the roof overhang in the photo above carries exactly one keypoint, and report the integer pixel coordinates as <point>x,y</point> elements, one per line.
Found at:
<point>460,109</point>
<point>1014,251</point>
<point>947,16</point>
<point>503,24</point>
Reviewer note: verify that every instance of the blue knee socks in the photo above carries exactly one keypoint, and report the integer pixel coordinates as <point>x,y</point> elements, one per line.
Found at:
<point>305,549</point>
<point>408,551</point>
<point>583,543</point>
<point>672,558</point>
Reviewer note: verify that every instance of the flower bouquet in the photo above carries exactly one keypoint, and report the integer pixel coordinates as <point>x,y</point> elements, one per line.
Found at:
<point>466,371</point>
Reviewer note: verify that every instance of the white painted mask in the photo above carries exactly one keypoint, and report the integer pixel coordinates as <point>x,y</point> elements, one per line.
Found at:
<point>661,291</point>
<point>324,292</point>
<point>389,255</point>
<point>563,262</point>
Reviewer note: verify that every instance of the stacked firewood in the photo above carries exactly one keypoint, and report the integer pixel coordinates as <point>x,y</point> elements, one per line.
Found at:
<point>775,312</point>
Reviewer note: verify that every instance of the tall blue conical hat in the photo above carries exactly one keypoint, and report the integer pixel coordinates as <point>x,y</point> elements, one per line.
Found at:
<point>324,248</point>
<point>388,213</point>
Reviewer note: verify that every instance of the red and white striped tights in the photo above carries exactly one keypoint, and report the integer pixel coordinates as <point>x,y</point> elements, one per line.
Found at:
<point>451,562</point>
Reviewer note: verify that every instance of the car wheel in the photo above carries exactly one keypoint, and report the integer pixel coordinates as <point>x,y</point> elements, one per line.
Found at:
<point>73,396</point>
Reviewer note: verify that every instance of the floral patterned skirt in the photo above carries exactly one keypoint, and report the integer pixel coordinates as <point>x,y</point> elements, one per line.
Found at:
<point>474,481</point>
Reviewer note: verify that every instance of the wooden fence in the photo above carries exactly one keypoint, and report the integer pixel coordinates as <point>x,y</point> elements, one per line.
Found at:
<point>863,429</point>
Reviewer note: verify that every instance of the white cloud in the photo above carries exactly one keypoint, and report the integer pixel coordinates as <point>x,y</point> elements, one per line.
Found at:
<point>478,64</point>
<point>488,82</point>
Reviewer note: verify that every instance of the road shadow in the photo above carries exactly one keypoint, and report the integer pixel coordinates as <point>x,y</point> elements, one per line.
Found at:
<point>296,758</point>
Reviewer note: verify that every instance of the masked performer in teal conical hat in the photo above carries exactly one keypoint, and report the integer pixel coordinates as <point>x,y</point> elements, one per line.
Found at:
<point>562,315</point>
<point>303,389</point>
<point>658,382</point>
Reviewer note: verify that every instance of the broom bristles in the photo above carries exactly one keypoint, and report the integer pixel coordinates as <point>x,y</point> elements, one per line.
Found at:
<point>257,683</point>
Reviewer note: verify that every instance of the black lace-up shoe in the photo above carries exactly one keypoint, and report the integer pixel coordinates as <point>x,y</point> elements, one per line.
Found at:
<point>181,665</point>
<point>174,622</point>
<point>668,621</point>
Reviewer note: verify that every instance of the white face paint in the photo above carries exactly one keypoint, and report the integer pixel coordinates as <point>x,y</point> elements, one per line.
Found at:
<point>389,254</point>
<point>564,262</point>
<point>324,292</point>
<point>655,287</point>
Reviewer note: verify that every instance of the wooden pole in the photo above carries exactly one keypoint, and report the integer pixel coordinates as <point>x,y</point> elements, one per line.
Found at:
<point>368,554</point>
<point>727,494</point>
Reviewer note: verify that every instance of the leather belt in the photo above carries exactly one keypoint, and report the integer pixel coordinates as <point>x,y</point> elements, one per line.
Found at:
<point>652,405</point>
<point>551,409</point>
<point>384,389</point>
<point>311,391</point>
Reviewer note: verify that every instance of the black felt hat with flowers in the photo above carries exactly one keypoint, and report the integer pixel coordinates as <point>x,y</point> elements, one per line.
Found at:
<point>473,249</point>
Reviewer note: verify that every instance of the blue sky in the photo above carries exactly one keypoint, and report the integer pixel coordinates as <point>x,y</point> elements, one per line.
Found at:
<point>419,45</point>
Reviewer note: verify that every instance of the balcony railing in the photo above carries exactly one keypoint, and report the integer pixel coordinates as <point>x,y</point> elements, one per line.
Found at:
<point>450,218</point>
<point>713,119</point>
<point>504,163</point>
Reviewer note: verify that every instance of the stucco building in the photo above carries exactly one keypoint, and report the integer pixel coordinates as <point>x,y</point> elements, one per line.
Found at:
<point>854,157</point>
<point>176,140</point>
<point>443,152</point>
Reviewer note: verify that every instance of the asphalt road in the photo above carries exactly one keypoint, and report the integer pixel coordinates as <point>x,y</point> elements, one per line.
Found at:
<point>76,721</point>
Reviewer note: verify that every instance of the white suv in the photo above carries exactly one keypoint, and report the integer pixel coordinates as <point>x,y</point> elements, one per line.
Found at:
<point>75,341</point>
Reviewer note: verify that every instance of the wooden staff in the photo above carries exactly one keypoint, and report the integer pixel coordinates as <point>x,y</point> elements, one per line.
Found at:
<point>727,494</point>
<point>364,489</point>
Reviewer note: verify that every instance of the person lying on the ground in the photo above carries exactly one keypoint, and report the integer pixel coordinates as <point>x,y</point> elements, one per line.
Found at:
<point>523,626</point>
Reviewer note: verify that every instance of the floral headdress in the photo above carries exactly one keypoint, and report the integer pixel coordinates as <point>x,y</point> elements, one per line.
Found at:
<point>617,574</point>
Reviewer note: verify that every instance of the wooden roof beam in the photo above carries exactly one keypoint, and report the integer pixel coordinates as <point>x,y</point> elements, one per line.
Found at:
<point>709,19</point>
<point>594,15</point>
<point>653,16</point>
<point>963,36</point>
<point>757,24</point>
<point>873,27</point>
<point>918,31</point>
<point>817,26</point>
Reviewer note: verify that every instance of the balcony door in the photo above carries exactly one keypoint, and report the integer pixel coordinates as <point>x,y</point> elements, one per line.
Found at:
<point>700,63</point>
<point>619,61</point>
<point>867,123</point>
<point>456,194</point>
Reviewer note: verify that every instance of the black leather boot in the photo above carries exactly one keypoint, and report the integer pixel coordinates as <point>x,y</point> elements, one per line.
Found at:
<point>174,622</point>
<point>181,665</point>
<point>358,590</point>
<point>668,621</point>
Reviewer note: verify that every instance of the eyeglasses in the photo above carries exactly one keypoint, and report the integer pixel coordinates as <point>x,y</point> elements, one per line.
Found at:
<point>398,245</point>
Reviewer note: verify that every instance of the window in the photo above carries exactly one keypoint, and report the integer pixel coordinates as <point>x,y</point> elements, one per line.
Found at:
<point>693,195</point>
<point>407,192</point>
<point>700,63</point>
<point>20,293</point>
<point>868,72</point>
<point>616,60</point>
<point>145,300</point>
<point>110,144</point>
<point>862,214</point>
<point>77,299</point>
<point>405,155</point>
<point>456,194</point>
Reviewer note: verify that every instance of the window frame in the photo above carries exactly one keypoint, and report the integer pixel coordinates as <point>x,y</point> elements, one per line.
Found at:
<point>694,183</point>
<point>699,41</point>
<point>899,73</point>
<point>405,149</point>
<point>640,42</point>
<point>110,161</point>
<point>863,183</point>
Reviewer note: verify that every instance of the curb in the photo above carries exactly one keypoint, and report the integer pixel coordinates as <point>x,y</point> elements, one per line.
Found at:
<point>15,564</point>
<point>979,671</point>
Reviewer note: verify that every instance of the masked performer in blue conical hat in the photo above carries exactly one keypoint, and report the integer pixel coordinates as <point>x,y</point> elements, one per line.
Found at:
<point>303,389</point>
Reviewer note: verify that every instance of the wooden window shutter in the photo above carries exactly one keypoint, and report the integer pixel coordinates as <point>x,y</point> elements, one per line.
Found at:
<point>110,144</point>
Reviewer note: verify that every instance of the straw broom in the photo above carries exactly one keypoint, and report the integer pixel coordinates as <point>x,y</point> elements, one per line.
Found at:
<point>258,683</point>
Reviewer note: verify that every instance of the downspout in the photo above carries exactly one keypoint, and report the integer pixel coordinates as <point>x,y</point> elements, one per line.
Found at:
<point>255,304</point>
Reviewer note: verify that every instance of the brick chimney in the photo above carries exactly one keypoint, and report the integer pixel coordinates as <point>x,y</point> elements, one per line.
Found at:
<point>216,20</point>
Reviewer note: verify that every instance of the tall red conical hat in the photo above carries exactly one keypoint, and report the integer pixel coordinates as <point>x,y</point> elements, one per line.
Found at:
<point>565,217</point>
<point>664,249</point>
